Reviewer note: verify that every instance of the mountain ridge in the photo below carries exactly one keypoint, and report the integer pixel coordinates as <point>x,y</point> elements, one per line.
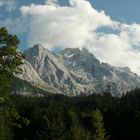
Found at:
<point>73,72</point>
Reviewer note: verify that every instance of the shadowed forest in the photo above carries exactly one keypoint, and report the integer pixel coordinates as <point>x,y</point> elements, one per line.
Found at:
<point>96,117</point>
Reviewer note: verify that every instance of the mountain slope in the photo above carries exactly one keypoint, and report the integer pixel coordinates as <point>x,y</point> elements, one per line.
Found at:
<point>22,87</point>
<point>90,71</point>
<point>52,70</point>
<point>30,76</point>
<point>75,71</point>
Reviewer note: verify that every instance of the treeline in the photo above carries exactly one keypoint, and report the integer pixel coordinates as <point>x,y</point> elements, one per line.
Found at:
<point>95,117</point>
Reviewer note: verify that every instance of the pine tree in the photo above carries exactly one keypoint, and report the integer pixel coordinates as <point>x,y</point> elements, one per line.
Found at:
<point>53,124</point>
<point>77,132</point>
<point>98,125</point>
<point>10,60</point>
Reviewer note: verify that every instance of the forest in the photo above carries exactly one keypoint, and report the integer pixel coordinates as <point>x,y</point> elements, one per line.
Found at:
<point>59,117</point>
<point>98,117</point>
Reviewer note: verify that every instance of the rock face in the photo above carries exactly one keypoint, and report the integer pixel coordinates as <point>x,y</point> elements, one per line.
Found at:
<point>75,72</point>
<point>30,75</point>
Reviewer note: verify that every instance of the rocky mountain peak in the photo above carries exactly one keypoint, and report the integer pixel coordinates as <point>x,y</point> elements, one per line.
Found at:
<point>69,52</point>
<point>38,45</point>
<point>74,71</point>
<point>37,48</point>
<point>77,54</point>
<point>85,51</point>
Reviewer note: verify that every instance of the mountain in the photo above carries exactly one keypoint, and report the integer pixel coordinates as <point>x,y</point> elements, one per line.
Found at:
<point>74,72</point>
<point>25,88</point>
<point>50,68</point>
<point>91,72</point>
<point>30,81</point>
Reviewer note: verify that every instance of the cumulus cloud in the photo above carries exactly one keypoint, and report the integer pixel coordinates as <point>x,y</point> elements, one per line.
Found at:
<point>120,49</point>
<point>64,26</point>
<point>77,25</point>
<point>10,4</point>
<point>52,2</point>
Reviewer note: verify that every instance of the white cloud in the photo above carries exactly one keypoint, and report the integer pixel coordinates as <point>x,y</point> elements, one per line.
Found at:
<point>1,2</point>
<point>119,49</point>
<point>10,4</point>
<point>72,26</point>
<point>77,25</point>
<point>51,2</point>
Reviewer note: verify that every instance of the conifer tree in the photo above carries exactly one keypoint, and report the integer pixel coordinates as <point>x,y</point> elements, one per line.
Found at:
<point>77,131</point>
<point>10,60</point>
<point>98,125</point>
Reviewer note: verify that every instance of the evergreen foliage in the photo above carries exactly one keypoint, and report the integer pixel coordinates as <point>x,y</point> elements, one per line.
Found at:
<point>77,118</point>
<point>10,60</point>
<point>99,130</point>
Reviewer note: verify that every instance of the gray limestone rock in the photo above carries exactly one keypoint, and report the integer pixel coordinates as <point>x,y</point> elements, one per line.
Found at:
<point>74,72</point>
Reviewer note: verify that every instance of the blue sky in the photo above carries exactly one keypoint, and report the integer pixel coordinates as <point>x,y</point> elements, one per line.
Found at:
<point>109,29</point>
<point>122,10</point>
